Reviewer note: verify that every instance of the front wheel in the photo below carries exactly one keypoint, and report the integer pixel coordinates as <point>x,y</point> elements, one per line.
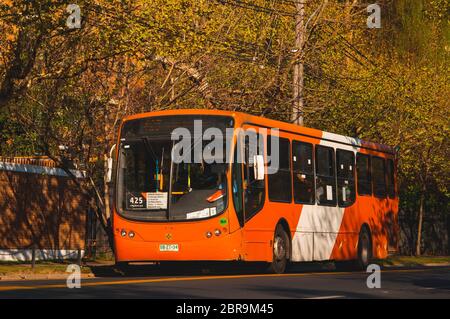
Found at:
<point>280,249</point>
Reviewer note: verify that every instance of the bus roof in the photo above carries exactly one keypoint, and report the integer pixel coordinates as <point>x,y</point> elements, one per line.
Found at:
<point>270,123</point>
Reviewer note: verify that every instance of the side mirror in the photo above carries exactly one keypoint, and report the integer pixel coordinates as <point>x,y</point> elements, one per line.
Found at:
<point>258,167</point>
<point>110,165</point>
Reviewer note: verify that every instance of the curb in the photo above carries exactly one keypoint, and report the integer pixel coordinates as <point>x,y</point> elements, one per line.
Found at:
<point>29,277</point>
<point>418,266</point>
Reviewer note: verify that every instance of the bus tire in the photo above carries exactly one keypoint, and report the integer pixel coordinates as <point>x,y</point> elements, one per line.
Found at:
<point>280,251</point>
<point>364,249</point>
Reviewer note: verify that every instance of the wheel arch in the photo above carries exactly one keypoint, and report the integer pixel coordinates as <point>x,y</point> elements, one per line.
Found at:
<point>366,227</point>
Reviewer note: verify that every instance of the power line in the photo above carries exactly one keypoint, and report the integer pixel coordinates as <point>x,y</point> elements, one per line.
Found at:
<point>254,7</point>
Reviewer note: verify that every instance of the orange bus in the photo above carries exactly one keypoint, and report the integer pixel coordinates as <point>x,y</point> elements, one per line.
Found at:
<point>329,197</point>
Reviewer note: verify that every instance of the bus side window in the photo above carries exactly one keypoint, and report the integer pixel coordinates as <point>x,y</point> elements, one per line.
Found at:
<point>303,172</point>
<point>254,189</point>
<point>280,189</point>
<point>236,185</point>
<point>325,176</point>
<point>363,174</point>
<point>379,177</point>
<point>390,178</point>
<point>345,177</point>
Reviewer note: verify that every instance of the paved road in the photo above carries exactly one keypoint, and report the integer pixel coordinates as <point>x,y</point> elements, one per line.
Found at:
<point>404,283</point>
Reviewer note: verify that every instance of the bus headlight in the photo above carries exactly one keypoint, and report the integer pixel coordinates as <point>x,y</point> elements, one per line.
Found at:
<point>131,234</point>
<point>208,234</point>
<point>123,233</point>
<point>217,232</point>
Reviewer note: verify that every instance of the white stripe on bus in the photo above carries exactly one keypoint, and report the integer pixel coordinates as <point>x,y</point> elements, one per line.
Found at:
<point>318,226</point>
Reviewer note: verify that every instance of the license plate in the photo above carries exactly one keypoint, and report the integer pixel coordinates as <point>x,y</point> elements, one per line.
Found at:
<point>168,247</point>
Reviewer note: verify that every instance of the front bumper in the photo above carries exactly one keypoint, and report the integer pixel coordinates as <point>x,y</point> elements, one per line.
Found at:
<point>223,248</point>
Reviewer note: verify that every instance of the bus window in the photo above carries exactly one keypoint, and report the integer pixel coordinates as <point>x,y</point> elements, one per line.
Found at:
<point>390,178</point>
<point>280,182</point>
<point>363,172</point>
<point>303,169</point>
<point>325,177</point>
<point>379,177</point>
<point>151,186</point>
<point>141,172</point>
<point>254,189</point>
<point>236,178</point>
<point>345,177</point>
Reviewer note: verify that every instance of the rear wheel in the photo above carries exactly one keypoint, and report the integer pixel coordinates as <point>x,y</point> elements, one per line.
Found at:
<point>364,249</point>
<point>280,253</point>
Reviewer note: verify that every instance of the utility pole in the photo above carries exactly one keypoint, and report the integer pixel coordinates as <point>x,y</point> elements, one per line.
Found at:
<point>297,107</point>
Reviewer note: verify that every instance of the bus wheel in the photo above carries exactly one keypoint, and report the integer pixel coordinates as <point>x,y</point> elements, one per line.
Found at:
<point>280,251</point>
<point>364,249</point>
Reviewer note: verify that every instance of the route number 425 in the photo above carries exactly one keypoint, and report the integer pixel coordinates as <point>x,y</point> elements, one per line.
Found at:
<point>136,200</point>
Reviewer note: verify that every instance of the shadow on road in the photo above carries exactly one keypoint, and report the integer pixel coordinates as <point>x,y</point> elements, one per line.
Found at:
<point>200,269</point>
<point>220,269</point>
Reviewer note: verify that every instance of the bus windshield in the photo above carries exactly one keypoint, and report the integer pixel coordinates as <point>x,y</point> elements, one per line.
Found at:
<point>152,187</point>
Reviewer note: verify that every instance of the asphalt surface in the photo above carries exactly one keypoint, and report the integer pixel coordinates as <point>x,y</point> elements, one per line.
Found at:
<point>299,283</point>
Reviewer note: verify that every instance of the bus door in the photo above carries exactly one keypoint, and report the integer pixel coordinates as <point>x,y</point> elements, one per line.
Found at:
<point>253,190</point>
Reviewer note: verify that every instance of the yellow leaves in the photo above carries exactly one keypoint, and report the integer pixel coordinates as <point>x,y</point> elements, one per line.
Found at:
<point>93,159</point>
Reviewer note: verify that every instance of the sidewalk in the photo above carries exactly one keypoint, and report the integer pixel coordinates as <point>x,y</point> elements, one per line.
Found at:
<point>414,262</point>
<point>45,270</point>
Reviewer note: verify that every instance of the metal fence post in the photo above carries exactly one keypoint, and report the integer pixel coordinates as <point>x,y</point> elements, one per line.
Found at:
<point>33,256</point>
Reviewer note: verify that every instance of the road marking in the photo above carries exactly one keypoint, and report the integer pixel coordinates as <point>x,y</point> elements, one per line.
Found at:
<point>174,279</point>
<point>325,297</point>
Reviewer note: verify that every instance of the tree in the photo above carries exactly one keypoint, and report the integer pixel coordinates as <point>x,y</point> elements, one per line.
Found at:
<point>73,86</point>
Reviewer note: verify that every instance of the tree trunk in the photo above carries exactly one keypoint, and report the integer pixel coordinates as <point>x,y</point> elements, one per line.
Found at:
<point>420,221</point>
<point>448,233</point>
<point>297,107</point>
<point>21,65</point>
<point>106,197</point>
<point>107,144</point>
